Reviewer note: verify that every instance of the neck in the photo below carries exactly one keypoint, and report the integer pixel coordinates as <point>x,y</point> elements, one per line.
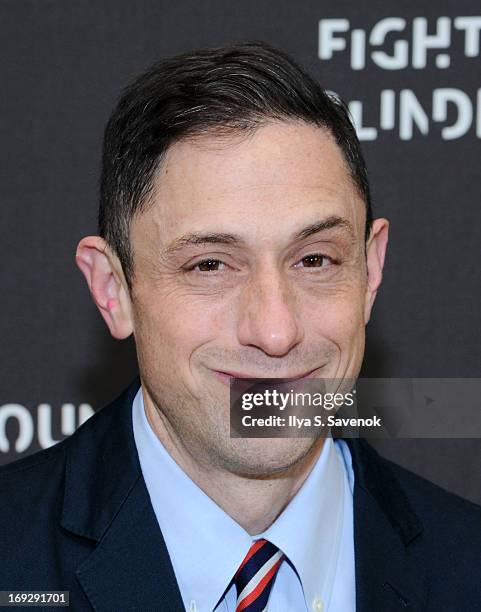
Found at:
<point>254,502</point>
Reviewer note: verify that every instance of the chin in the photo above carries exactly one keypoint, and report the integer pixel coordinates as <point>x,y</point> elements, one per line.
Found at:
<point>265,456</point>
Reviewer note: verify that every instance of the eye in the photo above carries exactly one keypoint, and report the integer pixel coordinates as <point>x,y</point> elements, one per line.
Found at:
<point>208,265</point>
<point>316,260</point>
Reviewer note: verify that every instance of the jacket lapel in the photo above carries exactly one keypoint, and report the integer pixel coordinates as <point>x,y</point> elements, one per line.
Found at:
<point>390,572</point>
<point>130,569</point>
<point>107,502</point>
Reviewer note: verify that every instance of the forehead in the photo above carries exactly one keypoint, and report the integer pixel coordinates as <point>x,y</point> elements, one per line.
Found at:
<point>287,171</point>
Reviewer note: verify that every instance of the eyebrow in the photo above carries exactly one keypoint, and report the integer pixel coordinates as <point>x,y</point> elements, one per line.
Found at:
<point>324,225</point>
<point>195,239</point>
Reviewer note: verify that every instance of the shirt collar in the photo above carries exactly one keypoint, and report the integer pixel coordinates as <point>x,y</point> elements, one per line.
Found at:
<point>308,531</point>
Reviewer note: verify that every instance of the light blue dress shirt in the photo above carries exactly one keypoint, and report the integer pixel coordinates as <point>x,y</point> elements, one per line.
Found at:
<point>206,546</point>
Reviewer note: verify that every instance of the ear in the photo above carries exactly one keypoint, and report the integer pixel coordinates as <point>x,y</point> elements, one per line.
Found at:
<point>375,255</point>
<point>107,284</point>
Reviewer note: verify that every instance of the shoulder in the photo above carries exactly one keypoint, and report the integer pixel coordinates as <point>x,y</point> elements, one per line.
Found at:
<point>31,493</point>
<point>28,470</point>
<point>31,490</point>
<point>39,478</point>
<point>432,501</point>
<point>87,439</point>
<point>451,524</point>
<point>426,498</point>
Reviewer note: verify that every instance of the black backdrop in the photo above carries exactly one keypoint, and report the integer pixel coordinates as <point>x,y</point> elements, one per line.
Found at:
<point>412,74</point>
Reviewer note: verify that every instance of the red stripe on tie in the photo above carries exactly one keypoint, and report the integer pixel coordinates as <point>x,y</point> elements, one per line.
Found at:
<point>260,587</point>
<point>252,550</point>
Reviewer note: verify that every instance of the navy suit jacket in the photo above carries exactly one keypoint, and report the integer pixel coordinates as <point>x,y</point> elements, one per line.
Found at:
<point>77,517</point>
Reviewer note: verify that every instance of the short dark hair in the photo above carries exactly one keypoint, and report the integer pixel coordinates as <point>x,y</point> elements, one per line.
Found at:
<point>233,88</point>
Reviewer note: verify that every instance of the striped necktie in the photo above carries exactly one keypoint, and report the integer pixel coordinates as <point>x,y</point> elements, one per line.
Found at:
<point>255,576</point>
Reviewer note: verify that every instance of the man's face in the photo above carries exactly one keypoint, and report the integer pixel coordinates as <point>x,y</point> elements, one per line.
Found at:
<point>236,274</point>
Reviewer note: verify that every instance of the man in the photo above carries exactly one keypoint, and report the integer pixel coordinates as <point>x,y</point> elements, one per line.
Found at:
<point>236,241</point>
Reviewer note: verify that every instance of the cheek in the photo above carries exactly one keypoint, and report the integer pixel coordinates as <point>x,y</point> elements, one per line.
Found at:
<point>335,313</point>
<point>169,328</point>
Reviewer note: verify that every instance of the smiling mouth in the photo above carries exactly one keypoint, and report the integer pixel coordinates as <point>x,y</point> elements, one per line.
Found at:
<point>229,377</point>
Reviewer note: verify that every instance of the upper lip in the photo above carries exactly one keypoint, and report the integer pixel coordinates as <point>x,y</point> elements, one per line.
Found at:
<point>263,376</point>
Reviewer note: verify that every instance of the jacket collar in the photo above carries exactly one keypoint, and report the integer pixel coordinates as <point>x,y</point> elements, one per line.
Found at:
<point>390,569</point>
<point>106,501</point>
<point>102,468</point>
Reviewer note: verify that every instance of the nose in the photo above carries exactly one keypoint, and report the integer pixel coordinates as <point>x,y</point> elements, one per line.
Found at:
<point>268,317</point>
